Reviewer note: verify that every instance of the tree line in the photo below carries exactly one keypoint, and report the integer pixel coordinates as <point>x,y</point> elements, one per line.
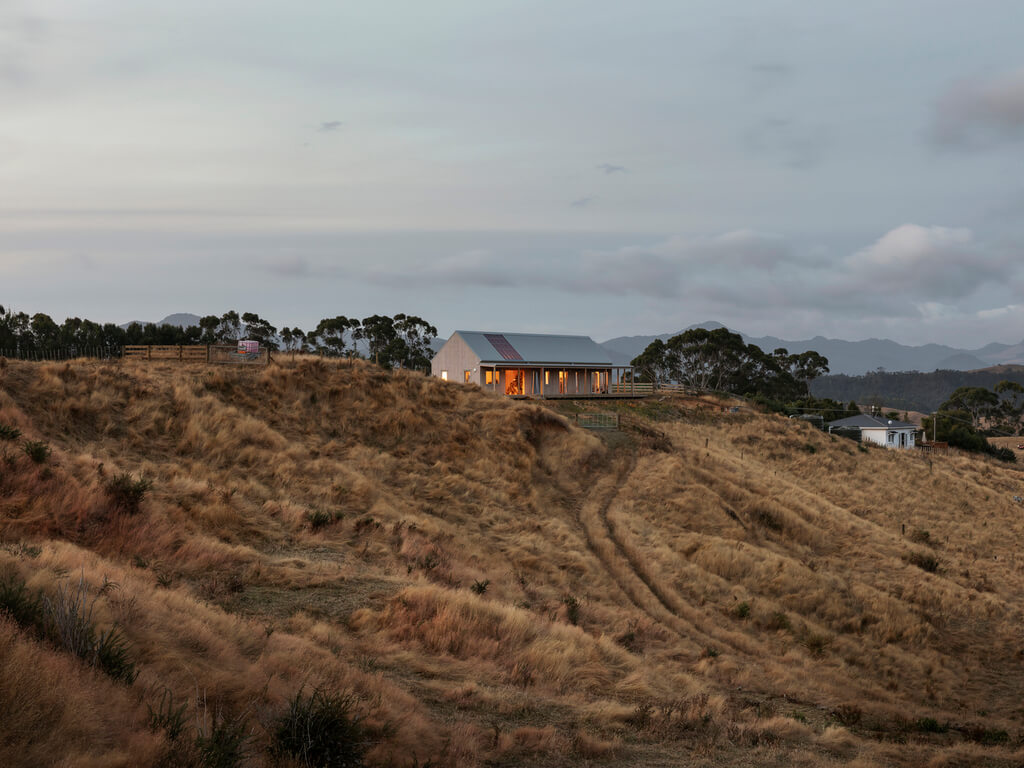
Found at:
<point>908,390</point>
<point>399,341</point>
<point>719,360</point>
<point>971,414</point>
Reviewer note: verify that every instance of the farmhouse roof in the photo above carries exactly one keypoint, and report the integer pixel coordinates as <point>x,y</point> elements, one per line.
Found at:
<point>864,421</point>
<point>497,347</point>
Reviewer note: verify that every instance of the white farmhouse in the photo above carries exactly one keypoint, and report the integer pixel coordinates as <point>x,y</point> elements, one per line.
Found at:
<point>879,430</point>
<point>530,364</point>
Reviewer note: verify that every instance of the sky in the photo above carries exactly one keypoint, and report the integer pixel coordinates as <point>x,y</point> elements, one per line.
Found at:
<point>851,170</point>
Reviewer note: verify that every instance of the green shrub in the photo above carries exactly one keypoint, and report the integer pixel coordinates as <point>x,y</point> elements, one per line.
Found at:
<point>743,610</point>
<point>319,518</point>
<point>9,432</point>
<point>36,450</point>
<point>168,718</point>
<point>68,619</point>
<point>126,492</point>
<point>321,731</point>
<point>224,745</point>
<point>924,561</point>
<point>21,604</point>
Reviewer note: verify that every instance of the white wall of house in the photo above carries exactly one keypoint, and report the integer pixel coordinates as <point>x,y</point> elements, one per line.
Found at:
<point>454,359</point>
<point>889,438</point>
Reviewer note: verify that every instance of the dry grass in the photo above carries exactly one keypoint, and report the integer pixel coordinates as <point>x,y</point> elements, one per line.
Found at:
<point>702,589</point>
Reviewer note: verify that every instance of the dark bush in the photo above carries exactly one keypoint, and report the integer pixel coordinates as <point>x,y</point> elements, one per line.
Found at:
<point>224,745</point>
<point>480,586</point>
<point>36,450</point>
<point>321,731</point>
<point>9,432</point>
<point>924,561</point>
<point>21,604</point>
<point>127,493</point>
<point>572,608</point>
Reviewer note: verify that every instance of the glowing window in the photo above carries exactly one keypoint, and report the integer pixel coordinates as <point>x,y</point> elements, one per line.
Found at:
<point>467,376</point>
<point>444,375</point>
<point>547,377</point>
<point>489,377</point>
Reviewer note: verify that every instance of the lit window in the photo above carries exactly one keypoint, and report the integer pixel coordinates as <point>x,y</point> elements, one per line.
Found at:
<point>547,378</point>
<point>444,375</point>
<point>467,376</point>
<point>489,377</point>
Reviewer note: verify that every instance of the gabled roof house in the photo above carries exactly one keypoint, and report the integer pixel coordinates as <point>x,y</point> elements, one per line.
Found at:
<point>876,429</point>
<point>528,364</point>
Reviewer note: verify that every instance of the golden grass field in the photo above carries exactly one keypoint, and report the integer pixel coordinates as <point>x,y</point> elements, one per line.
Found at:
<point>701,588</point>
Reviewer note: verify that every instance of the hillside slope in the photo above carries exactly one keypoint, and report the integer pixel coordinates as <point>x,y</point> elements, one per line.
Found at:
<point>490,584</point>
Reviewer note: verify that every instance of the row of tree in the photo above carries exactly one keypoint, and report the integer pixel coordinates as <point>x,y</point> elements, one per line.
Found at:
<point>971,414</point>
<point>719,360</point>
<point>401,341</point>
<point>909,390</point>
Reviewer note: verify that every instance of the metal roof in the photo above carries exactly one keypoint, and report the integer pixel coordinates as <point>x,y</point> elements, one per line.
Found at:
<point>534,348</point>
<point>864,421</point>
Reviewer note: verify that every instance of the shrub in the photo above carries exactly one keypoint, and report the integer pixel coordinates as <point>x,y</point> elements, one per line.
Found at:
<point>36,450</point>
<point>778,620</point>
<point>924,561</point>
<point>920,536</point>
<point>848,714</point>
<point>25,607</point>
<point>126,492</point>
<point>930,725</point>
<point>68,617</point>
<point>321,731</point>
<point>168,718</point>
<point>224,745</point>
<point>572,608</point>
<point>743,610</point>
<point>9,432</point>
<point>479,587</point>
<point>318,518</point>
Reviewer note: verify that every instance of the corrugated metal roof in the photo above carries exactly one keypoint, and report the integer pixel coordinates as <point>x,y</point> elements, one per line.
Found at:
<point>864,421</point>
<point>537,348</point>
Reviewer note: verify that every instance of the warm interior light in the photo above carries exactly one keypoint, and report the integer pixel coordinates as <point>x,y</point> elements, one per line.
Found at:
<point>444,375</point>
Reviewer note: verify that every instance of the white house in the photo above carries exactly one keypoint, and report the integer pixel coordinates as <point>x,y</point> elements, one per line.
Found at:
<point>529,364</point>
<point>876,429</point>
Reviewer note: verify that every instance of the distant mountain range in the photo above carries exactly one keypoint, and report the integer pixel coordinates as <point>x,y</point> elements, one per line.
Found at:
<point>852,357</point>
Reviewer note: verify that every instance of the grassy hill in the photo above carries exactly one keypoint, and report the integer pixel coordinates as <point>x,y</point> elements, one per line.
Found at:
<point>478,582</point>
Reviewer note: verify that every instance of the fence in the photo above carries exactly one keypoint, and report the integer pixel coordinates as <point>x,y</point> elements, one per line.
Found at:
<point>630,388</point>
<point>598,420</point>
<point>166,352</point>
<point>61,353</point>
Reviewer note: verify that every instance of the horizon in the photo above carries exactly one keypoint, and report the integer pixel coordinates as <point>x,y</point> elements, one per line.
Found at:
<point>585,168</point>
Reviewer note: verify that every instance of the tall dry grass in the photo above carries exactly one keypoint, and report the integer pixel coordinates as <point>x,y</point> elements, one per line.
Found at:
<point>494,585</point>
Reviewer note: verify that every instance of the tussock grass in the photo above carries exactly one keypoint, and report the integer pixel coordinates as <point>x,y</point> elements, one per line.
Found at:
<point>490,584</point>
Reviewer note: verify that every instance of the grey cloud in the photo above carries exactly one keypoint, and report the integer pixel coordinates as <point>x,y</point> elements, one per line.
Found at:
<point>330,125</point>
<point>978,114</point>
<point>797,146</point>
<point>609,169</point>
<point>767,75</point>
<point>582,202</point>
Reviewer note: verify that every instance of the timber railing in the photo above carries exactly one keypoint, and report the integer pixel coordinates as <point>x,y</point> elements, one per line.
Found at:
<point>196,353</point>
<point>630,388</point>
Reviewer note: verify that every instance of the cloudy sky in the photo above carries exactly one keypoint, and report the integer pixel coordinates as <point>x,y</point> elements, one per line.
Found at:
<point>592,166</point>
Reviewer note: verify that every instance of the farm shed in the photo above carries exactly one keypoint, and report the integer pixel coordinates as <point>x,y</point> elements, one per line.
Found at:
<point>879,430</point>
<point>531,364</point>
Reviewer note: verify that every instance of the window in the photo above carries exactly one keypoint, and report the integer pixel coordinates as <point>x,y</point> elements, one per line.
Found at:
<point>489,377</point>
<point>547,378</point>
<point>444,375</point>
<point>467,374</point>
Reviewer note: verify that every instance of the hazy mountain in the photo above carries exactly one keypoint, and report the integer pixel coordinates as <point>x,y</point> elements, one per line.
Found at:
<point>180,319</point>
<point>852,357</point>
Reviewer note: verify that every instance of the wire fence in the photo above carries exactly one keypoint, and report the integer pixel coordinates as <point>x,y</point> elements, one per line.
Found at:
<point>61,353</point>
